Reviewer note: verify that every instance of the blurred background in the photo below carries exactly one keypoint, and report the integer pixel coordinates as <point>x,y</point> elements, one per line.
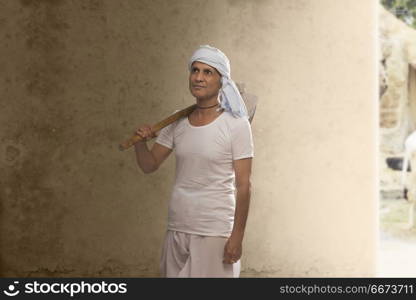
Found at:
<point>397,38</point>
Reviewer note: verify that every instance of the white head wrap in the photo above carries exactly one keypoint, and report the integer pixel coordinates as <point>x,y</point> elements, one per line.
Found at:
<point>231,99</point>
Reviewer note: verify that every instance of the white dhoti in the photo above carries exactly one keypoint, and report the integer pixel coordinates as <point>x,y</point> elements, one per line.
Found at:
<point>190,255</point>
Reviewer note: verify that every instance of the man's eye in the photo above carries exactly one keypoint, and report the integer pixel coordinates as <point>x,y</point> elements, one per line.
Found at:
<point>208,72</point>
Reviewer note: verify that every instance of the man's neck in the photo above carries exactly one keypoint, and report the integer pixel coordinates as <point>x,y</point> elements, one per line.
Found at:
<point>207,107</point>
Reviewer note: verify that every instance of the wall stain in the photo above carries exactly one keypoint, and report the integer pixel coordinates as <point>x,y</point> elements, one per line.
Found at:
<point>31,229</point>
<point>12,153</point>
<point>45,272</point>
<point>32,210</point>
<point>45,33</point>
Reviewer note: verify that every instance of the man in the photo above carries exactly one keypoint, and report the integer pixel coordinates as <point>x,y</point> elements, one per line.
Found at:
<point>210,199</point>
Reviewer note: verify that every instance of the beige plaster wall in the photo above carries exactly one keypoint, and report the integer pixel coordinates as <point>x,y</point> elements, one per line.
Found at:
<point>79,76</point>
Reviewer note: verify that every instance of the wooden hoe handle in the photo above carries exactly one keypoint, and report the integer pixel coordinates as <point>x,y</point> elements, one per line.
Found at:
<point>158,126</point>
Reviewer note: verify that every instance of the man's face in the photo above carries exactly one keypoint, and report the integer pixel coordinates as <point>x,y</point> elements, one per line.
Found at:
<point>204,81</point>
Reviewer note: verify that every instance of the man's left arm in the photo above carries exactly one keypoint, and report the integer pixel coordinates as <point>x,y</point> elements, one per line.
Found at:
<point>233,247</point>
